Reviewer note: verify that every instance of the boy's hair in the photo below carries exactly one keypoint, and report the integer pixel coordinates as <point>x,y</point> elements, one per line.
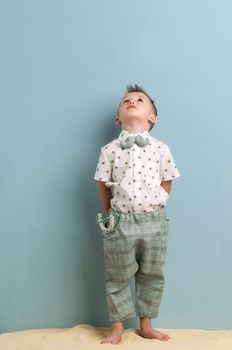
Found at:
<point>136,88</point>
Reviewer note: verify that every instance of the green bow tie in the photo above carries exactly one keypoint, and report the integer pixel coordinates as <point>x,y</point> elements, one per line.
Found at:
<point>130,140</point>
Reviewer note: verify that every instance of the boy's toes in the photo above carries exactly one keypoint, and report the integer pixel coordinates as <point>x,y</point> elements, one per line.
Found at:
<point>165,337</point>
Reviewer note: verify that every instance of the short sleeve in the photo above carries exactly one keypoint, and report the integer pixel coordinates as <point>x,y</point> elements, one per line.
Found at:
<point>168,169</point>
<point>104,169</point>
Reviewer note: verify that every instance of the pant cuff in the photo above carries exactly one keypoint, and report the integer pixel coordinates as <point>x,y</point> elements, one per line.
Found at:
<point>147,316</point>
<point>131,315</point>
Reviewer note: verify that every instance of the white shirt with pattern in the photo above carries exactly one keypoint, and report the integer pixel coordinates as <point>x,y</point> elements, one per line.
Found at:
<point>135,174</point>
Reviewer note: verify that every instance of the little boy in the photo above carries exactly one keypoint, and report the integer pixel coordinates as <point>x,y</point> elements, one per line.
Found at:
<point>135,173</point>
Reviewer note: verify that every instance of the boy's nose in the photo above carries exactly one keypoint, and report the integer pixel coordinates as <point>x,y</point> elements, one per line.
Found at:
<point>131,102</point>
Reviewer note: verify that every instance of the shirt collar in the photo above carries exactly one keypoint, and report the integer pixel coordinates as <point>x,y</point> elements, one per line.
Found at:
<point>124,134</point>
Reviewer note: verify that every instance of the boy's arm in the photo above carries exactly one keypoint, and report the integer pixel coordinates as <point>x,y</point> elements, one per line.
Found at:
<point>167,185</point>
<point>168,169</point>
<point>105,195</point>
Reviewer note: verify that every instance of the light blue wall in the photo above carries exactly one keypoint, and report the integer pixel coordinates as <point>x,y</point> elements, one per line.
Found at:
<point>64,66</point>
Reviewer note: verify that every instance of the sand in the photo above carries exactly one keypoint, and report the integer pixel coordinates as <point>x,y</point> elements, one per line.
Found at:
<point>86,337</point>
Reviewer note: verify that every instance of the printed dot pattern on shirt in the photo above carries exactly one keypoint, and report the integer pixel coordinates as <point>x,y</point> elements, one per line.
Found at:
<point>135,174</point>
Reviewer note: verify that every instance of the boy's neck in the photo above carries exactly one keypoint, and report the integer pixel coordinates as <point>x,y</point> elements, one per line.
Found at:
<point>135,128</point>
<point>132,130</point>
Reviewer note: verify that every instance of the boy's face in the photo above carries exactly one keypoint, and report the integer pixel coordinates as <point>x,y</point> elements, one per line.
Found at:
<point>136,107</point>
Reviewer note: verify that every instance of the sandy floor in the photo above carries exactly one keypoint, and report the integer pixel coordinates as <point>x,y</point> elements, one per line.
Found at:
<point>85,337</point>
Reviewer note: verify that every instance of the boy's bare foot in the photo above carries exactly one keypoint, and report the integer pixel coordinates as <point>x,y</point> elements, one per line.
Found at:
<point>116,334</point>
<point>151,333</point>
<point>146,330</point>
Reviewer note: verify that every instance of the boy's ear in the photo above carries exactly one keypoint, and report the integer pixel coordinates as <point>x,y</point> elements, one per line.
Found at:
<point>152,118</point>
<point>117,121</point>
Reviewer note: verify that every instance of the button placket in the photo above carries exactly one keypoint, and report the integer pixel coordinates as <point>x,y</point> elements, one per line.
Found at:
<point>137,177</point>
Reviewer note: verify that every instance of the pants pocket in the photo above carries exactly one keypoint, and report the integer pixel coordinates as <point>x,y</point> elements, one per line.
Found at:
<point>108,224</point>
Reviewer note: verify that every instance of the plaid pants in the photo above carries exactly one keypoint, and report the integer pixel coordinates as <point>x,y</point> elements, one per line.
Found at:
<point>136,246</point>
